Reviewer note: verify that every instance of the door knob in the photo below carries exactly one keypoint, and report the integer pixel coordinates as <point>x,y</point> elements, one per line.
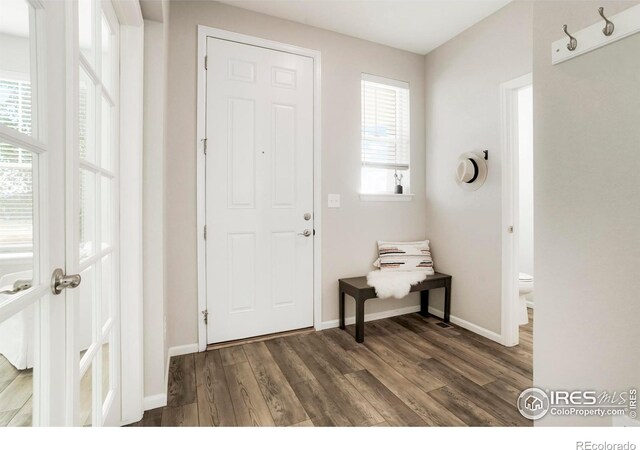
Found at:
<point>305,233</point>
<point>60,281</point>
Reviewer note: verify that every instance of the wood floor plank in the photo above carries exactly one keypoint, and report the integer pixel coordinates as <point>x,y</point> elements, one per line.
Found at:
<point>467,411</point>
<point>180,416</point>
<point>8,373</point>
<point>395,412</point>
<point>409,371</point>
<point>407,368</point>
<point>414,397</point>
<point>513,356</point>
<point>182,381</point>
<point>151,418</point>
<point>333,353</point>
<point>306,423</point>
<point>16,394</point>
<point>504,390</point>
<point>7,416</point>
<point>419,343</point>
<point>289,362</point>
<point>484,361</point>
<point>495,406</point>
<point>248,402</point>
<point>319,405</point>
<point>213,398</point>
<point>282,401</point>
<point>350,401</point>
<point>232,355</point>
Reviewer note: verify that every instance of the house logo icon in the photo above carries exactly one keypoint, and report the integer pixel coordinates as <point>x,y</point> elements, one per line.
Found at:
<point>533,403</point>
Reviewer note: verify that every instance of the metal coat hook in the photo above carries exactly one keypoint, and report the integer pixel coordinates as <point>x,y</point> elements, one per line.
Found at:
<point>573,42</point>
<point>609,26</point>
<point>486,154</point>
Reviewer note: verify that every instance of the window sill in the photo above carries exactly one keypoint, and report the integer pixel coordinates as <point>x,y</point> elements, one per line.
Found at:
<point>386,197</point>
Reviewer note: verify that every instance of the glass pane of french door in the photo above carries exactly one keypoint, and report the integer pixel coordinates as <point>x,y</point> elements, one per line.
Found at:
<point>24,226</point>
<point>93,250</point>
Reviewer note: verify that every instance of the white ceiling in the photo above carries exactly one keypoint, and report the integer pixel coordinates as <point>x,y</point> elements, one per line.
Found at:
<point>418,26</point>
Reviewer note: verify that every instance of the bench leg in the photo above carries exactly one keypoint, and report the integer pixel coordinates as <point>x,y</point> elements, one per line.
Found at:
<point>359,320</point>
<point>424,303</point>
<point>342,326</point>
<point>447,300</point>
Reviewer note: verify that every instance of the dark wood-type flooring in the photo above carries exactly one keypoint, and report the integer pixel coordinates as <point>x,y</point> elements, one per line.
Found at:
<point>410,371</point>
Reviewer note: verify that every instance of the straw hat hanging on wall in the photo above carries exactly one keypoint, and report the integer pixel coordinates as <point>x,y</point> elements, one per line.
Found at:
<point>471,171</point>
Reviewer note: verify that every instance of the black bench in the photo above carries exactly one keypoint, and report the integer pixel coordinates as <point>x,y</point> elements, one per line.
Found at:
<point>360,291</point>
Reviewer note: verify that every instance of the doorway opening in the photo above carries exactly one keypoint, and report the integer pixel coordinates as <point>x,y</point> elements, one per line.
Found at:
<point>518,213</point>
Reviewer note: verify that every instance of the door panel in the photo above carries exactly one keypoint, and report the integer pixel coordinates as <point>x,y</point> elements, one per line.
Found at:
<point>259,186</point>
<point>31,228</point>
<point>92,244</point>
<point>241,159</point>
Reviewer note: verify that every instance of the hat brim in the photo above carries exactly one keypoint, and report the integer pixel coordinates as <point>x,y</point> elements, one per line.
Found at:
<point>482,172</point>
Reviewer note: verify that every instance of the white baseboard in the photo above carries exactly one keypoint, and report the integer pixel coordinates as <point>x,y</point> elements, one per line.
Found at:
<point>155,401</point>
<point>529,304</point>
<point>373,316</point>
<point>182,350</point>
<point>412,309</point>
<point>160,400</point>
<point>469,326</point>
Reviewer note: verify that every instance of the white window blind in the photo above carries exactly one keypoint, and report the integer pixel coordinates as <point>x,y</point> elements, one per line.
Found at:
<point>385,123</point>
<point>16,183</point>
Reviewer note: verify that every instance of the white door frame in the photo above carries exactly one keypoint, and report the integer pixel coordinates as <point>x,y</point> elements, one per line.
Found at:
<point>131,264</point>
<point>205,32</point>
<point>510,205</point>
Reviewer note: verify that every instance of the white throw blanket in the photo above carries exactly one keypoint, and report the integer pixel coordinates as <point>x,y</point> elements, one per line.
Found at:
<point>394,284</point>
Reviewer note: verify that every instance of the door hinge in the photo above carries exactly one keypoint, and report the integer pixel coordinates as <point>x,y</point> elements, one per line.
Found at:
<point>206,62</point>
<point>205,314</point>
<point>205,232</point>
<point>510,229</point>
<point>204,145</point>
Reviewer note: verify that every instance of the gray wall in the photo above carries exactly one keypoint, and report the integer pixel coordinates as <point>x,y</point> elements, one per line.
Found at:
<point>349,233</point>
<point>587,209</point>
<point>463,80</point>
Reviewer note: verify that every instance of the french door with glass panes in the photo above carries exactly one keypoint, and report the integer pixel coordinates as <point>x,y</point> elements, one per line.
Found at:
<point>59,348</point>
<point>92,216</point>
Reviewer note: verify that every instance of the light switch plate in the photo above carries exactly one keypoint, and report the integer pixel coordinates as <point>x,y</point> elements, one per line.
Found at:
<point>334,201</point>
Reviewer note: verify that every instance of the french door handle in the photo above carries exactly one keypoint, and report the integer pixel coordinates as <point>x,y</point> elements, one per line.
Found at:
<point>60,281</point>
<point>305,233</point>
<point>18,286</point>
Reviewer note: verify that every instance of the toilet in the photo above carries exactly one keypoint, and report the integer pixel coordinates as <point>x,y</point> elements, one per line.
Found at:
<point>525,287</point>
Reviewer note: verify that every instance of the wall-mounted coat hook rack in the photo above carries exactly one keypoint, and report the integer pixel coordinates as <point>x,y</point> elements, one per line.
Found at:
<point>573,42</point>
<point>627,23</point>
<point>609,26</point>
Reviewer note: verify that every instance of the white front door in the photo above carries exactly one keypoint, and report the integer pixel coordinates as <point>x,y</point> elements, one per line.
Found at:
<point>259,191</point>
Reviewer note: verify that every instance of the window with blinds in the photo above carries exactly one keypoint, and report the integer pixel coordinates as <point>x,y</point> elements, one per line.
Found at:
<point>16,183</point>
<point>385,133</point>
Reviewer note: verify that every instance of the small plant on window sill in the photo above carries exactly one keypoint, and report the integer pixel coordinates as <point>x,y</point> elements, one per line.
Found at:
<point>398,179</point>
